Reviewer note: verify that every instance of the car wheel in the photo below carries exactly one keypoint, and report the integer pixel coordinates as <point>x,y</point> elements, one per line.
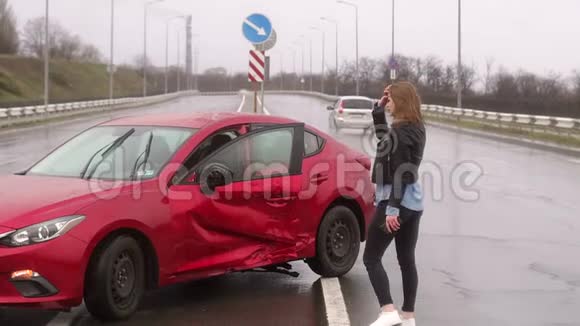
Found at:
<point>115,281</point>
<point>337,243</point>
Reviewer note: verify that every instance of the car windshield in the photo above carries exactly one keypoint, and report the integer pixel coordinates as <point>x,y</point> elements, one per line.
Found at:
<point>114,152</point>
<point>357,104</point>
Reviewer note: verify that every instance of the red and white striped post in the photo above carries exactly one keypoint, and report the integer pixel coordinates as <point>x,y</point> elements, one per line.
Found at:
<point>256,73</point>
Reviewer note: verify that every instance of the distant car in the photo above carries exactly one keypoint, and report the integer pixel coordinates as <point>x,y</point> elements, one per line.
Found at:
<point>142,202</point>
<point>351,112</point>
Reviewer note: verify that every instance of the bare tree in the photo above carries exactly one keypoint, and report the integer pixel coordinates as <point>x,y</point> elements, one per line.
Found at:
<point>90,53</point>
<point>468,78</point>
<point>63,45</point>
<point>434,73</point>
<point>551,87</point>
<point>368,70</point>
<point>505,86</point>
<point>527,84</point>
<point>9,41</point>
<point>448,80</point>
<point>489,62</point>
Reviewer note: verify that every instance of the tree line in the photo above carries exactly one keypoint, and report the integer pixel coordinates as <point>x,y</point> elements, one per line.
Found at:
<point>30,41</point>
<point>496,89</point>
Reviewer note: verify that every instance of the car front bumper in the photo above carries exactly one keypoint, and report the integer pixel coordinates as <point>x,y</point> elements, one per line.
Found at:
<point>60,268</point>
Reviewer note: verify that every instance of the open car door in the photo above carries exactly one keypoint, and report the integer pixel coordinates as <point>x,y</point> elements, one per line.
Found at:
<point>239,205</point>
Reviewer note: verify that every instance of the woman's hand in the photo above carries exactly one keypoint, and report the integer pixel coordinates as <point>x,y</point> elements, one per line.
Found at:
<point>392,223</point>
<point>386,96</point>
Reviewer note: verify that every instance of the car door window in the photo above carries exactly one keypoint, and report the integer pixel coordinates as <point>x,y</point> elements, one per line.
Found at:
<point>312,143</point>
<point>263,154</point>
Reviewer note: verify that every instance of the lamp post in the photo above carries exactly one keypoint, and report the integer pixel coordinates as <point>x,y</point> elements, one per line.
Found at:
<point>459,67</point>
<point>323,40</point>
<point>146,11</point>
<point>333,21</point>
<point>46,55</point>
<point>167,49</point>
<point>112,54</point>
<point>356,18</point>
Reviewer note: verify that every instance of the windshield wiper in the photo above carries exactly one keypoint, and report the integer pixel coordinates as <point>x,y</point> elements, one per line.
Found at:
<point>145,153</point>
<point>109,148</point>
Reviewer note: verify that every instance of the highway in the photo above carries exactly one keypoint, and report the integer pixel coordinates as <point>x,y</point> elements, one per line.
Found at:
<point>499,238</point>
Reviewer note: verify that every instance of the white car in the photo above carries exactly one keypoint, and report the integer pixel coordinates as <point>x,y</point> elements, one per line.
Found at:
<point>351,112</point>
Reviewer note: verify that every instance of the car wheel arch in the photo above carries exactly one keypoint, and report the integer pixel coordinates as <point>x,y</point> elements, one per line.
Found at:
<point>150,254</point>
<point>354,206</point>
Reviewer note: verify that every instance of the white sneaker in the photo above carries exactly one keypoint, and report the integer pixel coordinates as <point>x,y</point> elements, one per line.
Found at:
<point>408,322</point>
<point>388,319</point>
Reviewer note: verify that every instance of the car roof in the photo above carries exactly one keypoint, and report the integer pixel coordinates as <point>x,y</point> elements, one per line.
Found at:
<point>355,98</point>
<point>195,120</point>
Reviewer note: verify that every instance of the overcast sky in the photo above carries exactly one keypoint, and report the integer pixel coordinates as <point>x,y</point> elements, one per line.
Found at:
<point>538,36</point>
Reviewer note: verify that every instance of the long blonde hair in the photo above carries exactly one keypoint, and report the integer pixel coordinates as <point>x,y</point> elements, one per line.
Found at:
<point>407,102</point>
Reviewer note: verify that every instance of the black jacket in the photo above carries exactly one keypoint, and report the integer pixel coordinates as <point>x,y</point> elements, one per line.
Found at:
<point>399,154</point>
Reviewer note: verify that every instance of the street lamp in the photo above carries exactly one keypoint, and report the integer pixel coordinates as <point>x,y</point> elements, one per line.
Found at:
<point>195,54</point>
<point>335,22</point>
<point>323,37</point>
<point>46,55</point>
<point>111,56</point>
<point>146,7</point>
<point>356,15</point>
<point>167,49</point>
<point>459,67</point>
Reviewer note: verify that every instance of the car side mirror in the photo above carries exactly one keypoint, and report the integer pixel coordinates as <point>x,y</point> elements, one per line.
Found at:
<point>214,175</point>
<point>330,108</point>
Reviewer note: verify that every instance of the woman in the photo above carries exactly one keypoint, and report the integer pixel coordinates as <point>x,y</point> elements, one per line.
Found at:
<point>398,198</point>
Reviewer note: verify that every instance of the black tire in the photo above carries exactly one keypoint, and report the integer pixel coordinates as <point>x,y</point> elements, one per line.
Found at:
<point>115,281</point>
<point>332,124</point>
<point>337,243</point>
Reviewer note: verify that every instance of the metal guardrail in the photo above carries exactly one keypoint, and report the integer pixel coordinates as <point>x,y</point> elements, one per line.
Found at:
<point>16,115</point>
<point>532,122</point>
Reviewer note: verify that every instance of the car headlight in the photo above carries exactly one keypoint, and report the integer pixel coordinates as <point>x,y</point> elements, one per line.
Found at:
<point>41,232</point>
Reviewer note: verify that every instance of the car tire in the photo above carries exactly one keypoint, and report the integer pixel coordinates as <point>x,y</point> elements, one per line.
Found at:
<point>332,124</point>
<point>337,243</point>
<point>115,281</point>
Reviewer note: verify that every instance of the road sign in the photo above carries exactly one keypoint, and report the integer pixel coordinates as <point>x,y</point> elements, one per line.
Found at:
<point>393,74</point>
<point>257,28</point>
<point>257,66</point>
<point>269,44</point>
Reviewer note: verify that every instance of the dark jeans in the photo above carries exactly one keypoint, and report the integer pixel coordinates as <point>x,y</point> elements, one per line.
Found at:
<point>405,241</point>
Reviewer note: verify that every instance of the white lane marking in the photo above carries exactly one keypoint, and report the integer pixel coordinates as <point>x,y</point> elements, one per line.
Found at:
<point>336,313</point>
<point>265,108</point>
<point>67,318</point>
<point>242,104</point>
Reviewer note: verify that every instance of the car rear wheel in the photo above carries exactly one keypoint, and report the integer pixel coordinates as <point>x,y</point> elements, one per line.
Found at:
<point>332,124</point>
<point>337,243</point>
<point>116,280</point>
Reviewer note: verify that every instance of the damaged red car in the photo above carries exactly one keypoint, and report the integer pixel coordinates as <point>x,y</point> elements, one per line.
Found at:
<point>143,202</point>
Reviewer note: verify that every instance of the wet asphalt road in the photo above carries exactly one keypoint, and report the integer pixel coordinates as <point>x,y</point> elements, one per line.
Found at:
<point>507,257</point>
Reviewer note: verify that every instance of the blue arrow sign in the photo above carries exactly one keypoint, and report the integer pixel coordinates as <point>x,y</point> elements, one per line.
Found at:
<point>257,28</point>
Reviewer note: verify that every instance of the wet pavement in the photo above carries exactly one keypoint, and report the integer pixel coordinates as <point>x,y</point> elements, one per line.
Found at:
<point>498,249</point>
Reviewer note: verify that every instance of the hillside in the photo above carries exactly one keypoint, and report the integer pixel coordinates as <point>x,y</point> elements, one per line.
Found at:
<point>21,81</point>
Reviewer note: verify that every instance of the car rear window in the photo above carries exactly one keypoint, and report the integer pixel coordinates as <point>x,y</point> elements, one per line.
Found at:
<point>357,104</point>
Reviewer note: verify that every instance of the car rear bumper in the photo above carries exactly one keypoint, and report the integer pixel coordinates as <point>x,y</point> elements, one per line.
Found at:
<point>353,123</point>
<point>60,268</point>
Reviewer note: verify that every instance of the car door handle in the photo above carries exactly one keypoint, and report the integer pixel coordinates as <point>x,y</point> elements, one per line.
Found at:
<point>319,178</point>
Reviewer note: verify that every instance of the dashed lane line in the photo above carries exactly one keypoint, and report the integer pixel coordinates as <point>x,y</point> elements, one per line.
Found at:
<point>336,313</point>
<point>242,104</point>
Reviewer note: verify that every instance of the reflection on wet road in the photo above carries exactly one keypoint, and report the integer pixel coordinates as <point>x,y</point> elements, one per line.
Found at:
<point>501,251</point>
<point>506,256</point>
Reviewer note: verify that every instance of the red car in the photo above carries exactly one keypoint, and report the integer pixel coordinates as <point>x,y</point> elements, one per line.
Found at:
<point>142,202</point>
